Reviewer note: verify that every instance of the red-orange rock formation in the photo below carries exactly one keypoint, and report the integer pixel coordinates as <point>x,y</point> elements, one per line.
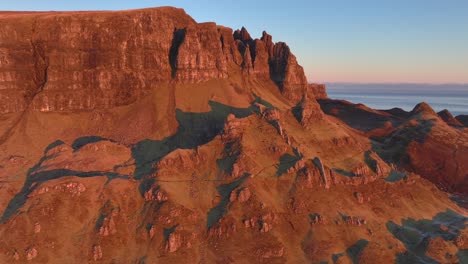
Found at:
<point>421,141</point>
<point>317,90</point>
<point>106,67</point>
<point>143,136</point>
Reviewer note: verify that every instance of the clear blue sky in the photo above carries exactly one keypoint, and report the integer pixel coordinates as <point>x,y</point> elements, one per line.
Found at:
<point>349,40</point>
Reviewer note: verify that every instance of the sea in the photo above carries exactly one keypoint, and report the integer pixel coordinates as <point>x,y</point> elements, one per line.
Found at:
<point>453,97</point>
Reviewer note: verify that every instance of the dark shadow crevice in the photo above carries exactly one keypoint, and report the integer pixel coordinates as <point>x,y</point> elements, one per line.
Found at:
<point>177,40</point>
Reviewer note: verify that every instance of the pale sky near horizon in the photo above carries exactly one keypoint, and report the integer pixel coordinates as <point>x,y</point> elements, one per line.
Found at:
<point>336,41</point>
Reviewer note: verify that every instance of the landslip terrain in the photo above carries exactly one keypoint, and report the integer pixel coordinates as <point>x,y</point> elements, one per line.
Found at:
<point>142,136</point>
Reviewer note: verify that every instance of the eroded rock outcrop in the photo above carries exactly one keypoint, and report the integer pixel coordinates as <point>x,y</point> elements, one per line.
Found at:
<point>310,176</point>
<point>177,238</point>
<point>222,230</point>
<point>242,195</point>
<point>318,91</point>
<point>200,54</point>
<point>108,226</point>
<point>155,194</point>
<point>287,73</point>
<point>97,252</point>
<point>308,111</point>
<point>234,162</point>
<point>31,253</point>
<point>316,219</point>
<point>262,223</point>
<point>242,182</point>
<point>354,220</point>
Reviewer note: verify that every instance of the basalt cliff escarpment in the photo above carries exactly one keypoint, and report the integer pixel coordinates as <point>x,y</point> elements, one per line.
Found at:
<point>108,67</point>
<point>143,136</point>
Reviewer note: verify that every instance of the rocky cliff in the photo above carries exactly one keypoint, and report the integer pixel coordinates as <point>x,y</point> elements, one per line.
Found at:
<point>143,136</point>
<point>79,61</point>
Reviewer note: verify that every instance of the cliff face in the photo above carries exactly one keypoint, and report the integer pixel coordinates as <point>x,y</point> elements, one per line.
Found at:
<point>275,59</point>
<point>317,90</point>
<point>144,137</point>
<point>79,61</point>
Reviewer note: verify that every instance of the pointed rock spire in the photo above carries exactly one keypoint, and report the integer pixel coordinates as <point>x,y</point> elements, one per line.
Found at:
<point>242,34</point>
<point>267,38</point>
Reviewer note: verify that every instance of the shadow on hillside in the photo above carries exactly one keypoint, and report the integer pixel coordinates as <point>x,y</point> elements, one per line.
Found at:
<point>38,174</point>
<point>392,148</point>
<point>416,234</point>
<point>353,252</point>
<point>287,161</point>
<point>357,117</point>
<point>195,129</point>
<point>225,191</point>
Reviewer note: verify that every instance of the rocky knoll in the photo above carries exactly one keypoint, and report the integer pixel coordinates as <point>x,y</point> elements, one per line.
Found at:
<point>433,145</point>
<point>449,118</point>
<point>143,136</point>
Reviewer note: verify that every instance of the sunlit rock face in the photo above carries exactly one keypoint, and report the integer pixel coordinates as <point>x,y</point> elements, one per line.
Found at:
<point>79,61</point>
<point>143,136</point>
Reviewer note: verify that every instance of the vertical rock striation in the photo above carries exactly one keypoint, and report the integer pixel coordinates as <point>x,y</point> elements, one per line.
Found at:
<point>68,61</point>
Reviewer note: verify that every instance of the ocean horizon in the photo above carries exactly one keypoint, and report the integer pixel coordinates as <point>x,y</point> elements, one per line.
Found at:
<point>453,97</point>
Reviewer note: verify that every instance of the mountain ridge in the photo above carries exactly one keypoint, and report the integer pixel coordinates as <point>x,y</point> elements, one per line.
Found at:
<point>145,137</point>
